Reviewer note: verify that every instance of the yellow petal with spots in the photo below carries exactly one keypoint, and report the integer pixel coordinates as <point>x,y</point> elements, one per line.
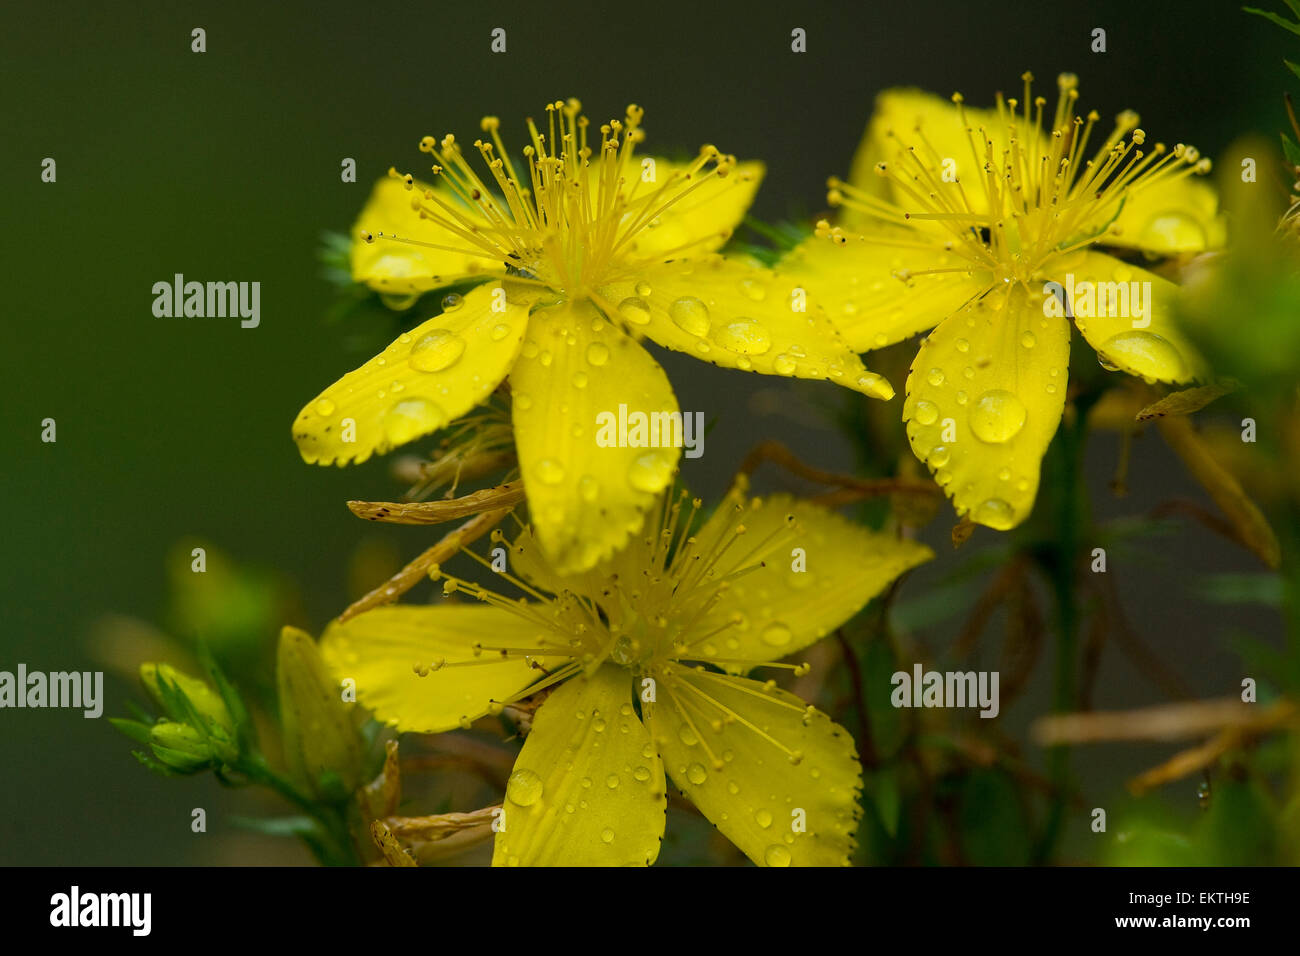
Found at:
<point>984,399</point>
<point>775,776</point>
<point>677,222</point>
<point>407,267</point>
<point>588,787</point>
<point>870,288</point>
<point>384,651</point>
<point>1169,217</point>
<point>807,570</point>
<point>901,112</point>
<point>1127,316</point>
<point>589,479</point>
<point>426,378</point>
<point>739,316</point>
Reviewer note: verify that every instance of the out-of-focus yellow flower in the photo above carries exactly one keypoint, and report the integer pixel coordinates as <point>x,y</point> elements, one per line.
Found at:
<point>588,249</point>
<point>985,227</point>
<point>669,625</point>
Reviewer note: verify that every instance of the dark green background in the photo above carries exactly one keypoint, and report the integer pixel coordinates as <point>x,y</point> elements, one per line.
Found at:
<point>225,166</point>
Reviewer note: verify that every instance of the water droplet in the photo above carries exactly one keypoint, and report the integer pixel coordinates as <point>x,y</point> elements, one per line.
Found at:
<point>499,332</point>
<point>753,289</point>
<point>524,788</point>
<point>763,818</point>
<point>935,377</point>
<point>690,315</point>
<point>963,345</point>
<point>687,735</point>
<point>1028,340</point>
<point>641,773</point>
<point>997,416</point>
<point>597,353</point>
<point>696,773</point>
<point>607,835</point>
<point>995,513</point>
<point>776,634</point>
<point>451,302</point>
<point>324,407</point>
<point>549,471</point>
<point>634,310</point>
<point>588,488</point>
<point>612,781</point>
<point>643,288</point>
<point>412,418</point>
<point>743,335</point>
<point>926,413</point>
<point>939,456</point>
<point>783,364</point>
<point>650,472</point>
<point>777,855</point>
<point>437,350</point>
<point>1145,353</point>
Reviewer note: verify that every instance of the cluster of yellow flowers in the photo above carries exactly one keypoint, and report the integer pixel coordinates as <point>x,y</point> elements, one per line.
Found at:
<point>640,622</point>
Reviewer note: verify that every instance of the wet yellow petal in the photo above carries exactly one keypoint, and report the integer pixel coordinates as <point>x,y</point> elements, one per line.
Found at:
<point>775,776</point>
<point>436,372</point>
<point>817,572</point>
<point>736,315</point>
<point>384,650</point>
<point>401,267</point>
<point>984,398</point>
<point>1170,217</point>
<point>903,111</point>
<point>1147,345</point>
<point>867,287</point>
<point>588,788</point>
<point>587,491</point>
<point>700,221</point>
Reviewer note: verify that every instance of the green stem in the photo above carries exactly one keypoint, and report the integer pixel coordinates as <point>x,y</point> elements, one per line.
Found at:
<point>336,847</point>
<point>1060,560</point>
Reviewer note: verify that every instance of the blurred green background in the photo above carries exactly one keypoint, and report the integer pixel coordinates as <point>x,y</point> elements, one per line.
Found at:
<point>225,166</point>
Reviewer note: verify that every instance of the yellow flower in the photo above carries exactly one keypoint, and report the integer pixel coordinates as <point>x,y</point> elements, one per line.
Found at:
<point>984,227</point>
<point>587,250</point>
<point>773,774</point>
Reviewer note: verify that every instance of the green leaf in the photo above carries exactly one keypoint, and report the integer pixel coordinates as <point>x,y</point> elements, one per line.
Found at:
<point>1275,18</point>
<point>1293,67</point>
<point>1290,150</point>
<point>245,734</point>
<point>1263,589</point>
<point>136,730</point>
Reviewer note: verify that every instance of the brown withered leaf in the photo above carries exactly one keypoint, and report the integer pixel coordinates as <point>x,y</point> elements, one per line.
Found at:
<point>1187,401</point>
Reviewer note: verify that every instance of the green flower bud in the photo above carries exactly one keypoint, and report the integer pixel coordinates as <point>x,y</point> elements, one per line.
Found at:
<point>182,747</point>
<point>166,685</point>
<point>321,744</point>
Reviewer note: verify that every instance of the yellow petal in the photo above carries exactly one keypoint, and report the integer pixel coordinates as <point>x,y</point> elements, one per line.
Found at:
<point>1150,345</point>
<point>426,378</point>
<point>775,776</point>
<point>817,572</point>
<point>585,495</point>
<point>401,267</point>
<point>903,111</point>
<point>588,787</point>
<point>984,398</point>
<point>700,221</point>
<point>866,290</point>
<point>382,649</point>
<point>739,316</point>
<point>1168,217</point>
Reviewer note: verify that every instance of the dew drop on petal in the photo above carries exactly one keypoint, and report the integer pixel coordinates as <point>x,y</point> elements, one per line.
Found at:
<point>997,416</point>
<point>763,818</point>
<point>549,471</point>
<point>744,336</point>
<point>696,773</point>
<point>597,353</point>
<point>777,855</point>
<point>634,310</point>
<point>783,364</point>
<point>412,418</point>
<point>607,835</point>
<point>995,513</point>
<point>776,634</point>
<point>324,407</point>
<point>690,315</point>
<point>436,351</point>
<point>650,472</point>
<point>926,413</point>
<point>524,788</point>
<point>451,302</point>
<point>1146,353</point>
